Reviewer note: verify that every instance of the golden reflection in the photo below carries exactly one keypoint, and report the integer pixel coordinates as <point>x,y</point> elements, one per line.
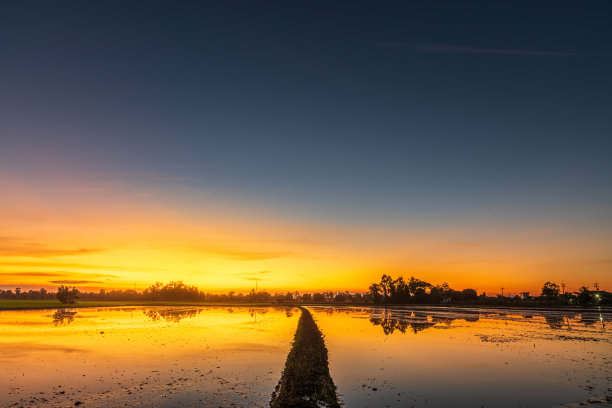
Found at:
<point>402,356</point>
<point>161,354</point>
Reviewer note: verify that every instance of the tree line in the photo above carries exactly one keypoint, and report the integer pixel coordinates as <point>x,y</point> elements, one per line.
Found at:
<point>179,291</point>
<point>387,291</point>
<point>416,291</point>
<point>390,290</point>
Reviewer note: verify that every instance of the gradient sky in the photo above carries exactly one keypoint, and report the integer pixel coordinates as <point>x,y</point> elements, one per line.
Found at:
<point>305,145</point>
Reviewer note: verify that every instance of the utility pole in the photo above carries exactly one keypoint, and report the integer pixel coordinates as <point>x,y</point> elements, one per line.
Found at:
<point>562,288</point>
<point>255,286</point>
<point>502,289</point>
<point>596,286</point>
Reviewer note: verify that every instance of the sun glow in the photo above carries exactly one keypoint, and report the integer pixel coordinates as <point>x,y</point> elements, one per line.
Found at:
<point>114,235</point>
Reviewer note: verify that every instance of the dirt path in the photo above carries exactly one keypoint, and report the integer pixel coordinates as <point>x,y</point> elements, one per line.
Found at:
<point>305,381</point>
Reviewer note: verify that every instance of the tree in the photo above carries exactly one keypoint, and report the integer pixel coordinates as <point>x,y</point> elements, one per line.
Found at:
<point>469,294</point>
<point>584,295</point>
<point>387,284</point>
<point>67,295</point>
<point>401,290</point>
<point>551,290</point>
<point>375,292</point>
<point>418,289</point>
<point>43,293</point>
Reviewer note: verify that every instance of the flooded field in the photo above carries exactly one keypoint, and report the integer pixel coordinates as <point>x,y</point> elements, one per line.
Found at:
<point>437,357</point>
<point>150,357</point>
<point>379,357</point>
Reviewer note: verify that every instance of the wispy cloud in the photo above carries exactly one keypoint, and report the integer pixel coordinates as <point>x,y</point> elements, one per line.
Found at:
<point>73,282</point>
<point>466,49</point>
<point>461,49</point>
<point>11,246</point>
<point>38,264</point>
<point>82,277</point>
<point>33,274</point>
<point>255,276</point>
<point>244,255</point>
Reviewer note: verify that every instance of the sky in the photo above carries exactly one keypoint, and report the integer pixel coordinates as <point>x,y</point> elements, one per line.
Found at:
<point>305,145</point>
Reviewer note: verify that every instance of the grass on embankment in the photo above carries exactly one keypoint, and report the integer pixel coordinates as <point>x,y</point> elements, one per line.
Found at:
<point>306,382</point>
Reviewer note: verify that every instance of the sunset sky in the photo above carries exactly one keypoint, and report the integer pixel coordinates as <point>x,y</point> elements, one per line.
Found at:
<point>304,145</point>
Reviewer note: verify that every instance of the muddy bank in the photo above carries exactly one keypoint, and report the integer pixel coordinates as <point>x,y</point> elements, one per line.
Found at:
<point>305,381</point>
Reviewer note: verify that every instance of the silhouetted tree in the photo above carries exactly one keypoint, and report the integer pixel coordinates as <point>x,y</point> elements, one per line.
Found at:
<point>387,285</point>
<point>67,295</point>
<point>584,295</point>
<point>469,294</point>
<point>375,292</point>
<point>551,290</point>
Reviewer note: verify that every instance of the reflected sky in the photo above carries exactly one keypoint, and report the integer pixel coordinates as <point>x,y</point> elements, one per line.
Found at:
<point>403,357</point>
<point>161,356</point>
<point>219,356</point>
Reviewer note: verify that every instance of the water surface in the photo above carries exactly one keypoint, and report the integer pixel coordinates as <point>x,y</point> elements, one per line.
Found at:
<point>143,356</point>
<point>440,357</point>
<point>379,357</point>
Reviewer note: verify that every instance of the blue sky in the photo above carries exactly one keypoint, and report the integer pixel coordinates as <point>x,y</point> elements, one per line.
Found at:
<point>420,113</point>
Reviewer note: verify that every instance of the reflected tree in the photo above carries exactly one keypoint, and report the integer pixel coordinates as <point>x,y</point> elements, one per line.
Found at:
<point>63,317</point>
<point>389,323</point>
<point>66,294</point>
<point>170,315</point>
<point>554,321</point>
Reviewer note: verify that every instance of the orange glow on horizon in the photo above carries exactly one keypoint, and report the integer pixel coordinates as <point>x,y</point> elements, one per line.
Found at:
<point>112,235</point>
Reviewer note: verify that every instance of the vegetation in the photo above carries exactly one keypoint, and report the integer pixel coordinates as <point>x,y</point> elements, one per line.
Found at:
<point>386,291</point>
<point>550,290</point>
<point>55,304</point>
<point>390,290</point>
<point>67,295</point>
<point>305,381</point>
<point>416,291</point>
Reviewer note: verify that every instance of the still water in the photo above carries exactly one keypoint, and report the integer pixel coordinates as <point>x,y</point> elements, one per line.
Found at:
<point>436,357</point>
<point>379,357</point>
<point>150,357</point>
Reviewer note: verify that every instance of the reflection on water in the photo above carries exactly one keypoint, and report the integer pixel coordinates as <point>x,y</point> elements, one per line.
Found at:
<point>233,356</point>
<point>433,356</point>
<point>143,356</point>
<point>170,315</point>
<point>63,317</point>
<point>415,320</point>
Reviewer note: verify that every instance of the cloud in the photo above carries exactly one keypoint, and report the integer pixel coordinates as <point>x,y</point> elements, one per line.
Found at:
<point>58,274</point>
<point>33,274</point>
<point>466,49</point>
<point>75,265</point>
<point>245,255</point>
<point>257,273</point>
<point>255,276</point>
<point>12,246</point>
<point>73,282</point>
<point>462,49</point>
